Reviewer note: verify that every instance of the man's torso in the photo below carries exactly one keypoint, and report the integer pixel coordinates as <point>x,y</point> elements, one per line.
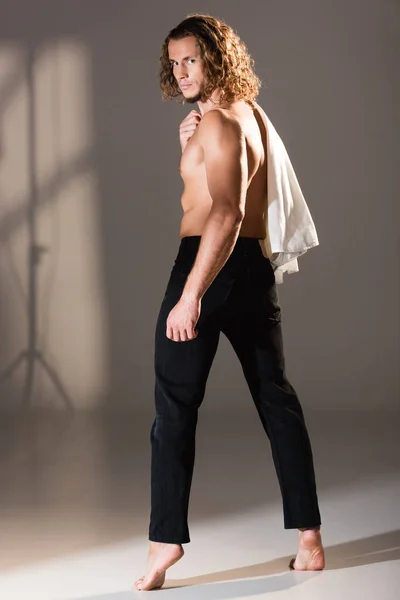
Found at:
<point>196,200</point>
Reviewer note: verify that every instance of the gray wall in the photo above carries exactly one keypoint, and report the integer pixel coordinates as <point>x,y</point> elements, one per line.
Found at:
<point>104,176</point>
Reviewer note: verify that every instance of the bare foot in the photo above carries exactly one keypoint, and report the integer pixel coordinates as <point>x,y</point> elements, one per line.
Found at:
<point>310,554</point>
<point>161,557</point>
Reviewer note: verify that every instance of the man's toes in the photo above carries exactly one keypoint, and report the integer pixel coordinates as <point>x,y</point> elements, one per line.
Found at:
<point>138,581</point>
<point>150,584</point>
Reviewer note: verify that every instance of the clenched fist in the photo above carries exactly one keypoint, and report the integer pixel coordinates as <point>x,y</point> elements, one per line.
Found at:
<point>188,127</point>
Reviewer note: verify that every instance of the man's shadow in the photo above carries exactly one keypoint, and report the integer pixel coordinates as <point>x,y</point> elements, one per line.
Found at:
<point>273,575</point>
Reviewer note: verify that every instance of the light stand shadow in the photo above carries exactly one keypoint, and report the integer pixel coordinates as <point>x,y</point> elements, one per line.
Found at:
<point>32,353</point>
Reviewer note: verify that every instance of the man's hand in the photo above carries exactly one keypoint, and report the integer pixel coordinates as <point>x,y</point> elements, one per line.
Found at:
<point>188,127</point>
<point>182,319</point>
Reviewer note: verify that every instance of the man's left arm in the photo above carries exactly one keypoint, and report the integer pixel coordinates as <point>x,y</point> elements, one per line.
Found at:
<point>225,159</point>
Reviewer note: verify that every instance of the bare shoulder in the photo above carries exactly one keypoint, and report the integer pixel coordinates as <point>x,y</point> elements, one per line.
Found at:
<point>218,123</point>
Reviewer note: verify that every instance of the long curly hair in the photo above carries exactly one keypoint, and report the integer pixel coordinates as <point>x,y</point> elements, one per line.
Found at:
<point>225,59</point>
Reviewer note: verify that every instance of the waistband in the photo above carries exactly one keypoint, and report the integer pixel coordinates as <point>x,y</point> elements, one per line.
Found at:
<point>240,241</point>
<point>244,247</point>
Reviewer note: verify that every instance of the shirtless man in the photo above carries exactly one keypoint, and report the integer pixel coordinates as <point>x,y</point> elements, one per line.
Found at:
<point>221,281</point>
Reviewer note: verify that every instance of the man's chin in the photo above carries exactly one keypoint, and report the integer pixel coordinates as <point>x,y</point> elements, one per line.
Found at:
<point>193,99</point>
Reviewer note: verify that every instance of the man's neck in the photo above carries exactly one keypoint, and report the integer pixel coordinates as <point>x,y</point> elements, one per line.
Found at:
<point>213,102</point>
<point>205,107</point>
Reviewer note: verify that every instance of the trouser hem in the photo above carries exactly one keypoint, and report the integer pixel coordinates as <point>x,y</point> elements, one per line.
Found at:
<point>302,526</point>
<point>164,540</point>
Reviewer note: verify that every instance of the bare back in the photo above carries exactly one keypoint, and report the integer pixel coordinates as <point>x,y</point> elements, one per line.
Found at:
<point>196,200</point>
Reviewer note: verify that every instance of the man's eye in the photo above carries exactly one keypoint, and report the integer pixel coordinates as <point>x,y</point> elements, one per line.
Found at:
<point>190,59</point>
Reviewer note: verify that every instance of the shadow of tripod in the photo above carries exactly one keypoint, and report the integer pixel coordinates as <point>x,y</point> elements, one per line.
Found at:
<point>32,353</point>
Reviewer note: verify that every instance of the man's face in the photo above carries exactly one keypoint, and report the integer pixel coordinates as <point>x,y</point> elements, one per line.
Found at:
<point>187,68</point>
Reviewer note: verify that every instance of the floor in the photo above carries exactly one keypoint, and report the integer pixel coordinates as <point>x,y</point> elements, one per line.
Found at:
<point>74,500</point>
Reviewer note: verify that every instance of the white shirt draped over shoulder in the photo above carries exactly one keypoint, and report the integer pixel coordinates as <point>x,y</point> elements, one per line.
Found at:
<point>290,227</point>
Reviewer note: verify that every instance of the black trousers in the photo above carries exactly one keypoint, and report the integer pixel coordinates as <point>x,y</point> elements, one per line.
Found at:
<point>242,302</point>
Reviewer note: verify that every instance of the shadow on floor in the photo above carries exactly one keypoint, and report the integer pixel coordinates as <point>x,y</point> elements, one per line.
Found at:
<point>220,585</point>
